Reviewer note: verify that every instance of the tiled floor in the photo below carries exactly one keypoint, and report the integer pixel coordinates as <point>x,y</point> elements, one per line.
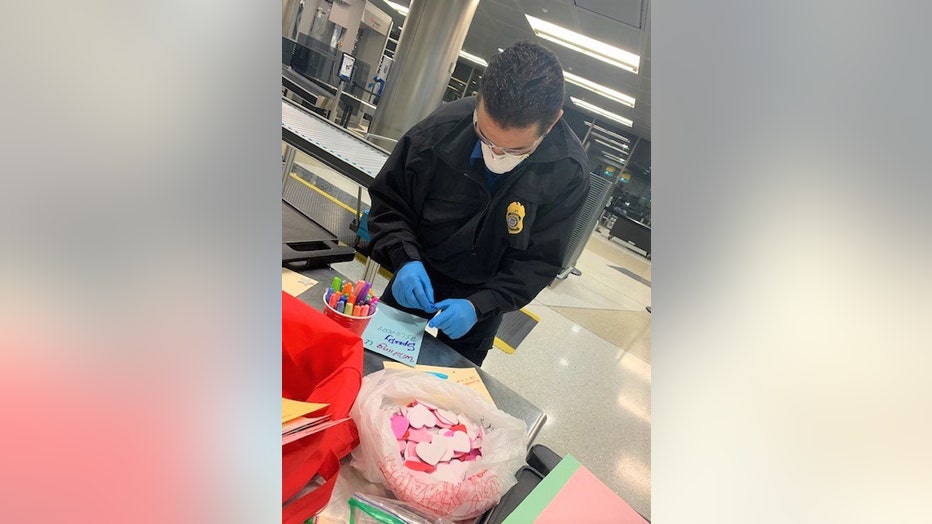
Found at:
<point>586,363</point>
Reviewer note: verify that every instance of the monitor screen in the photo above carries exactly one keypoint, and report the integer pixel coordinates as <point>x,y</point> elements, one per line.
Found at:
<point>346,66</point>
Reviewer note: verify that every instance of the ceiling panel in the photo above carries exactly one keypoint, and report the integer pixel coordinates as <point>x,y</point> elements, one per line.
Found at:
<point>622,23</point>
<point>627,12</point>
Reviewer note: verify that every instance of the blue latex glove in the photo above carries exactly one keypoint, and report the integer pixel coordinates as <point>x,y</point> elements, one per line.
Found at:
<point>412,287</point>
<point>457,316</point>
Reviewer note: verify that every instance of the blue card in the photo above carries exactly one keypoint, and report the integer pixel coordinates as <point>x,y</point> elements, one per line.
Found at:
<point>395,334</point>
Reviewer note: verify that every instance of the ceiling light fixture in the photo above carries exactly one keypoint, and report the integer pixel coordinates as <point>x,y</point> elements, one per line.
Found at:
<point>596,135</point>
<point>607,92</point>
<point>473,58</point>
<point>606,144</point>
<point>601,112</point>
<point>607,132</point>
<point>582,43</point>
<point>398,7</point>
<point>613,157</point>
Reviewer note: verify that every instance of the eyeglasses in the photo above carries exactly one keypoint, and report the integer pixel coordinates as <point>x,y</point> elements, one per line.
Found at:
<point>516,151</point>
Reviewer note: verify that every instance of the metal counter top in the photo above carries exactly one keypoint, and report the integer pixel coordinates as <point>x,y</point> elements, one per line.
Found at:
<point>436,353</point>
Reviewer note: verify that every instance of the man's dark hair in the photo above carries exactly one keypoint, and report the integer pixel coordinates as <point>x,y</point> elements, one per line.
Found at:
<point>523,85</point>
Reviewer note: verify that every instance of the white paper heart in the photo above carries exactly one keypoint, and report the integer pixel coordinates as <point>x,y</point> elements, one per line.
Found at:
<point>410,452</point>
<point>419,417</point>
<point>426,404</point>
<point>448,453</point>
<point>447,417</point>
<point>453,471</point>
<point>431,452</point>
<point>461,442</point>
<point>471,429</point>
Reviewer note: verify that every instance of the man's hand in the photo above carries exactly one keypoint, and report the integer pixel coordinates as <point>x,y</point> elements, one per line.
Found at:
<point>457,316</point>
<point>412,287</point>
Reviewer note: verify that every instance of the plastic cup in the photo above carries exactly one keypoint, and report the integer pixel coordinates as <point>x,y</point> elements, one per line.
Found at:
<point>355,324</point>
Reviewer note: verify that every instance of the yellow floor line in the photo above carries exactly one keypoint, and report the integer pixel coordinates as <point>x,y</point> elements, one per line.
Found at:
<point>382,271</point>
<point>532,315</point>
<point>502,345</point>
<point>324,193</point>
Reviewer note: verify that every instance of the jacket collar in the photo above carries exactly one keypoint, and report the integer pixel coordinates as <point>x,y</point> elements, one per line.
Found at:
<point>456,146</point>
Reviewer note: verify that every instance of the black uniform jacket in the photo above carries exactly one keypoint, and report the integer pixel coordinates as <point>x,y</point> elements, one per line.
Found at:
<point>428,204</point>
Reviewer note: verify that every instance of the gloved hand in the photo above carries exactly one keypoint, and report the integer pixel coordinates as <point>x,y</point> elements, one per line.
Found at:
<point>457,316</point>
<point>412,287</point>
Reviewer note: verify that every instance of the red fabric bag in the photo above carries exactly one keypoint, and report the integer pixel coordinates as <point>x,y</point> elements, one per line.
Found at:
<point>321,362</point>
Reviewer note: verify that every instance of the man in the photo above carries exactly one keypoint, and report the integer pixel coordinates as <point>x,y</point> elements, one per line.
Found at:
<point>474,208</point>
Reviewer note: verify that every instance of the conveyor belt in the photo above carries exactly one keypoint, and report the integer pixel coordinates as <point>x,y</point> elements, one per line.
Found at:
<point>343,151</point>
<point>305,87</point>
<point>307,245</point>
<point>320,209</point>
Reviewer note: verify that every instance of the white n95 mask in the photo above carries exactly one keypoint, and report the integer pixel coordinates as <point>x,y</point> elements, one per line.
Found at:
<point>500,164</point>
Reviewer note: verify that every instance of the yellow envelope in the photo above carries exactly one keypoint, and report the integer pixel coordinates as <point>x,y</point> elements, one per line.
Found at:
<point>292,409</point>
<point>295,283</point>
<point>465,376</point>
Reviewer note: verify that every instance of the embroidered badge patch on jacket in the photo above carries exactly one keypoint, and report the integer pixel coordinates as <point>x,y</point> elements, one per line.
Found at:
<point>515,217</point>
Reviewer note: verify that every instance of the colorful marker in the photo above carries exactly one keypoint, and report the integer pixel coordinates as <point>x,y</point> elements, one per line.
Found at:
<point>357,301</point>
<point>364,290</point>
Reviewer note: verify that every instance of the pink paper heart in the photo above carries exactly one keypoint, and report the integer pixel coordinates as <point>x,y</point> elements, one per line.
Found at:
<point>419,417</point>
<point>431,452</point>
<point>473,455</point>
<point>410,452</point>
<point>420,435</point>
<point>401,446</point>
<point>399,425</point>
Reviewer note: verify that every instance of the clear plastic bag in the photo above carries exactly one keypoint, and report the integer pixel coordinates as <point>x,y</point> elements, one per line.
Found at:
<point>504,444</point>
<point>369,509</point>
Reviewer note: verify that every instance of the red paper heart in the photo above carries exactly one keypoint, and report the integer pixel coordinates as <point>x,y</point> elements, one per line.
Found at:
<point>419,466</point>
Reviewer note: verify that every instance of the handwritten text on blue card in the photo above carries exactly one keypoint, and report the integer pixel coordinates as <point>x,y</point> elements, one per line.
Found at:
<point>395,334</point>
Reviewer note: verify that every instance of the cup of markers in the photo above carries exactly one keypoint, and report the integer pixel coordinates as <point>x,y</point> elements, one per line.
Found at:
<point>351,306</point>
